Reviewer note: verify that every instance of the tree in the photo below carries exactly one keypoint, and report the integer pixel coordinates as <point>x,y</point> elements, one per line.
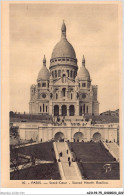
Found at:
<point>14,131</point>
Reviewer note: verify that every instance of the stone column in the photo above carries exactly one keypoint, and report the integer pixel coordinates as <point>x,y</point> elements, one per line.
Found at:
<point>77,108</point>
<point>59,95</point>
<point>60,110</point>
<point>67,110</point>
<point>50,108</point>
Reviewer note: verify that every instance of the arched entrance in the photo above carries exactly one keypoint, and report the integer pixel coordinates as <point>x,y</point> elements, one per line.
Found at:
<point>78,136</point>
<point>71,110</point>
<point>59,136</point>
<point>97,137</point>
<point>64,110</point>
<point>56,110</point>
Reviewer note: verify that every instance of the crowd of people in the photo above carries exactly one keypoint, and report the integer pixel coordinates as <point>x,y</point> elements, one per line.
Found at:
<point>68,158</point>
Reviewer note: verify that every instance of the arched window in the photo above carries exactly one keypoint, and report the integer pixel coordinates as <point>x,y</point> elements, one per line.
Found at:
<point>80,110</point>
<point>84,108</point>
<point>59,73</point>
<point>68,72</point>
<point>56,96</point>
<point>56,110</point>
<point>40,108</point>
<point>63,92</point>
<point>83,84</point>
<point>71,73</point>
<point>43,84</point>
<point>46,108</point>
<point>71,110</point>
<point>39,85</point>
<point>71,96</point>
<point>43,107</point>
<point>52,74</point>
<point>63,78</point>
<point>55,73</point>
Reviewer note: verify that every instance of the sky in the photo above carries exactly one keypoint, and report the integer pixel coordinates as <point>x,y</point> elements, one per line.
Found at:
<point>92,29</point>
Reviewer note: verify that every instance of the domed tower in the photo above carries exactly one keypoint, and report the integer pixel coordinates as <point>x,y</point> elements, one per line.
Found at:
<point>63,70</point>
<point>63,62</point>
<point>84,76</point>
<point>39,102</point>
<point>88,103</point>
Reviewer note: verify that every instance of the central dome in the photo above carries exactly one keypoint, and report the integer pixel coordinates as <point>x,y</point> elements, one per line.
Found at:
<point>63,48</point>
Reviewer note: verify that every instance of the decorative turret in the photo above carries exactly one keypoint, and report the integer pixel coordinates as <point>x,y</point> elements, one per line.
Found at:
<point>83,73</point>
<point>63,29</point>
<point>83,61</point>
<point>44,72</point>
<point>44,61</point>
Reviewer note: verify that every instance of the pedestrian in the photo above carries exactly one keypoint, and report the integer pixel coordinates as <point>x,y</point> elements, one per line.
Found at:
<point>68,158</point>
<point>69,163</point>
<point>67,151</point>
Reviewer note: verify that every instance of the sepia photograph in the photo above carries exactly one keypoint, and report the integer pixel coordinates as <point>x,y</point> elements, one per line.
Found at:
<point>64,92</point>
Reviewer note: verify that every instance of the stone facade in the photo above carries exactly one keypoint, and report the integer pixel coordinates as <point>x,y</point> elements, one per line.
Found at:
<point>63,90</point>
<point>38,132</point>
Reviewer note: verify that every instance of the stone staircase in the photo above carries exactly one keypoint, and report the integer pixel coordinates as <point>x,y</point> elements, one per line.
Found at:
<point>113,149</point>
<point>68,173</point>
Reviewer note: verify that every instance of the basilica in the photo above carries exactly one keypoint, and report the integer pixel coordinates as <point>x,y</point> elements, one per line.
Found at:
<point>64,90</point>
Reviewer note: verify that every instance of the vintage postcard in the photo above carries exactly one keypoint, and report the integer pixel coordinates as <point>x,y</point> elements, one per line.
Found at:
<point>61,94</point>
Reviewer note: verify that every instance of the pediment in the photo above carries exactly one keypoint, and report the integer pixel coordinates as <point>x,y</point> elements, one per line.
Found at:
<point>67,81</point>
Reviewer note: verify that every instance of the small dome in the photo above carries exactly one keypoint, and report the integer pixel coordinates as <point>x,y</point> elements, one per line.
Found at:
<point>63,49</point>
<point>44,72</point>
<point>83,74</point>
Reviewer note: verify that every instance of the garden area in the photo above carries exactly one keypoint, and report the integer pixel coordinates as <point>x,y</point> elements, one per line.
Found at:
<point>27,156</point>
<point>42,151</point>
<point>39,172</point>
<point>90,151</point>
<point>96,171</point>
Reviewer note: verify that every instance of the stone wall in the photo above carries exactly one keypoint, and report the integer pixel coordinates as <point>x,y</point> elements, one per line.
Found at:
<point>39,132</point>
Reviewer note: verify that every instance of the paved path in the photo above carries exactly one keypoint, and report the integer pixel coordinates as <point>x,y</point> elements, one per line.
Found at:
<point>27,144</point>
<point>72,172</point>
<point>114,149</point>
